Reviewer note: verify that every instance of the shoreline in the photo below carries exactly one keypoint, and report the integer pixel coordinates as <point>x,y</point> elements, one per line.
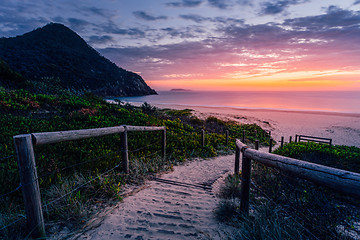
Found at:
<point>343,128</point>
<point>183,106</point>
<point>318,102</point>
<point>315,112</point>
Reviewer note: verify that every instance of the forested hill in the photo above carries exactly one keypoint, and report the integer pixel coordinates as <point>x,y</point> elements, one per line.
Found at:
<point>55,52</point>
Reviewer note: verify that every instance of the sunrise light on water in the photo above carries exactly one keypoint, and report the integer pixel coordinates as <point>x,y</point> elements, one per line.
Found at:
<point>314,101</point>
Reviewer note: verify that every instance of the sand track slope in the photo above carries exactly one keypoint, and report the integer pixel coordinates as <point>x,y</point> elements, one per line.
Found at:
<point>178,206</point>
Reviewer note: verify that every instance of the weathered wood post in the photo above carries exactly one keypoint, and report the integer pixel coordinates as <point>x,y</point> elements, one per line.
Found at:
<point>290,139</point>
<point>227,137</point>
<point>163,149</point>
<point>270,145</point>
<point>330,142</point>
<point>256,144</point>
<point>243,137</point>
<point>124,150</point>
<point>245,183</point>
<point>282,142</point>
<point>30,185</point>
<point>203,138</point>
<point>237,160</point>
<point>296,138</point>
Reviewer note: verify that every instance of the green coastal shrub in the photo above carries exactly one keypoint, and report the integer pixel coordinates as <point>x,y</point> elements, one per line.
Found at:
<point>342,157</point>
<point>60,164</point>
<point>178,113</point>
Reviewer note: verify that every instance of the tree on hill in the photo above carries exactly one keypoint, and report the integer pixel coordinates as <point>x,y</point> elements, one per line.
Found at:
<point>9,78</point>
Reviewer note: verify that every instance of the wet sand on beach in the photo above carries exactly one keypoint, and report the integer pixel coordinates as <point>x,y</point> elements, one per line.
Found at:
<point>343,128</point>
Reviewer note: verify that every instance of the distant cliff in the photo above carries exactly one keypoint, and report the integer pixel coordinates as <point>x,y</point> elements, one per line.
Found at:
<point>56,52</point>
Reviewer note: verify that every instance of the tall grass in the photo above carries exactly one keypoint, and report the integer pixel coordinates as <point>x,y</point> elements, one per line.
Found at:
<point>265,221</point>
<point>285,207</point>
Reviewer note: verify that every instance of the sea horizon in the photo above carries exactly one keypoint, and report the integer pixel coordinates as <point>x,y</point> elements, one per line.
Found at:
<point>338,102</point>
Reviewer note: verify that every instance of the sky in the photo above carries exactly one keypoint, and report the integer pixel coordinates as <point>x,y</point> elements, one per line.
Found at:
<point>286,45</point>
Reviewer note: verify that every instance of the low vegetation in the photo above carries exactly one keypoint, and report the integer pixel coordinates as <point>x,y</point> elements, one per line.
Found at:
<point>78,177</point>
<point>342,157</point>
<point>284,207</point>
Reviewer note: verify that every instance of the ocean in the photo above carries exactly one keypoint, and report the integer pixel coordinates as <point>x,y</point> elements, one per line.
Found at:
<point>322,101</point>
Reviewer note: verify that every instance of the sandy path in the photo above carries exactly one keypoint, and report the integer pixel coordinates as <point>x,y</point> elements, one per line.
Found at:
<point>170,211</point>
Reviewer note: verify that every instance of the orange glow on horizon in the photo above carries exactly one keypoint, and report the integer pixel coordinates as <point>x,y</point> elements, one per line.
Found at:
<point>263,72</point>
<point>270,83</point>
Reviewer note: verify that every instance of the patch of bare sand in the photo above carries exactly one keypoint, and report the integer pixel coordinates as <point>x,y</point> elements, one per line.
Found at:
<point>180,206</point>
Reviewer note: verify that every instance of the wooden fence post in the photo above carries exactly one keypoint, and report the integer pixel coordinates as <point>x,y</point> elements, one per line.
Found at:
<point>290,139</point>
<point>124,150</point>
<point>245,184</point>
<point>30,185</point>
<point>256,144</point>
<point>270,145</point>
<point>163,149</point>
<point>203,138</point>
<point>227,137</point>
<point>237,160</point>
<point>282,142</point>
<point>296,138</point>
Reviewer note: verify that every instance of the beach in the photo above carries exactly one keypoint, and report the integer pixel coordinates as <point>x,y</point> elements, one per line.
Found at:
<point>342,128</point>
<point>180,204</point>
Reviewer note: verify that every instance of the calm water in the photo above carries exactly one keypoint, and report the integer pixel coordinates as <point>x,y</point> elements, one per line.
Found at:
<point>345,102</point>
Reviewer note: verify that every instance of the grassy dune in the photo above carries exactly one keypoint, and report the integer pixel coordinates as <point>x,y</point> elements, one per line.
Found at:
<point>78,177</point>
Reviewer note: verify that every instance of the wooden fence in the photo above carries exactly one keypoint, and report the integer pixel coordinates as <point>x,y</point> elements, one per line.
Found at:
<point>340,180</point>
<point>299,138</point>
<point>24,145</point>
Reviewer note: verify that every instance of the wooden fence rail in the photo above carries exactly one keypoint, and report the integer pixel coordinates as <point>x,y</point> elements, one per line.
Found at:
<point>340,180</point>
<point>299,138</point>
<point>24,146</point>
<point>55,137</point>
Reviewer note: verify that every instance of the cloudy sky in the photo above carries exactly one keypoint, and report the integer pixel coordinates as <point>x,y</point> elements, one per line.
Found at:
<point>212,44</point>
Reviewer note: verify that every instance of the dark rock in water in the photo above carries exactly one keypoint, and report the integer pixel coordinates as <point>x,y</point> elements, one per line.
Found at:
<point>180,90</point>
<point>56,52</point>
